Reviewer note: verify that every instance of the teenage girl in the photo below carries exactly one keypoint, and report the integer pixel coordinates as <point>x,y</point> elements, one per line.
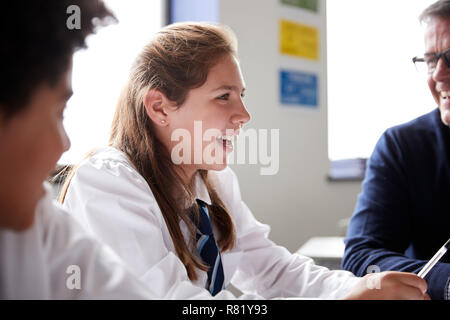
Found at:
<point>177,218</point>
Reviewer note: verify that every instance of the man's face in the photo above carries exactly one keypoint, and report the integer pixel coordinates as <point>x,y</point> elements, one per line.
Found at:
<point>437,39</point>
<point>31,143</point>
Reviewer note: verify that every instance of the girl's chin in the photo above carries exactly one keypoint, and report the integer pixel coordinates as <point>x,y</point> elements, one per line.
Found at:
<point>216,167</point>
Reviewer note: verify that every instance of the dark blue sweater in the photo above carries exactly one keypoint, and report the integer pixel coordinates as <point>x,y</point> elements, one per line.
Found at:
<point>402,216</point>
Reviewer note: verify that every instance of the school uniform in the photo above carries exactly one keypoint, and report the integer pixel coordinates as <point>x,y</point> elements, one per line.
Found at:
<point>114,202</point>
<point>56,259</point>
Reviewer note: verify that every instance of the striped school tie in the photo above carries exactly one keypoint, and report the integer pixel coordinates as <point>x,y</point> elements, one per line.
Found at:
<point>209,251</point>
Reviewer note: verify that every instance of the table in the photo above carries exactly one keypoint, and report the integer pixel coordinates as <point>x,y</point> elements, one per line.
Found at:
<point>325,251</point>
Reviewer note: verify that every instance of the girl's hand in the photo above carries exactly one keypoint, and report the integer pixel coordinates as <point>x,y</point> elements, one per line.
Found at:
<point>389,285</point>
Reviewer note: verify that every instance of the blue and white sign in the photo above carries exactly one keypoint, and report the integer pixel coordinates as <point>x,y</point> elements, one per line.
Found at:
<point>298,88</point>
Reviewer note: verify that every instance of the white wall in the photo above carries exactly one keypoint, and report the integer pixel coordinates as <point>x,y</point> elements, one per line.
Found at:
<point>100,73</point>
<point>298,202</point>
<point>380,63</point>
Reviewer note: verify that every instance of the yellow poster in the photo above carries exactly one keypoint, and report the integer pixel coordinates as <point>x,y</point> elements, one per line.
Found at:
<point>299,40</point>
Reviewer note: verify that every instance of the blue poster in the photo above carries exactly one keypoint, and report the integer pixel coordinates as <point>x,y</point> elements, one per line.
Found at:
<point>298,88</point>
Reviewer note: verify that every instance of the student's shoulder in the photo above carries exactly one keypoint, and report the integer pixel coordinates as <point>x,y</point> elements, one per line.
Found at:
<point>108,161</point>
<point>106,157</point>
<point>108,170</point>
<point>53,222</point>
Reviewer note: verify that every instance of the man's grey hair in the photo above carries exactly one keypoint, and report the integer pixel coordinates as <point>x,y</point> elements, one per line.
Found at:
<point>439,9</point>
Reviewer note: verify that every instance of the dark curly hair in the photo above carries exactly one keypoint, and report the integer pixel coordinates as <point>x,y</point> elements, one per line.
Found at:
<point>37,45</point>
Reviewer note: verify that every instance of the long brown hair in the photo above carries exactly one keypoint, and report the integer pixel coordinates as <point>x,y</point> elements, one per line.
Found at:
<point>177,60</point>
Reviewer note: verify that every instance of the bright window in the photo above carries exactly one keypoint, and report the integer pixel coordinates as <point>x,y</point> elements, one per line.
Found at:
<point>100,72</point>
<point>372,82</point>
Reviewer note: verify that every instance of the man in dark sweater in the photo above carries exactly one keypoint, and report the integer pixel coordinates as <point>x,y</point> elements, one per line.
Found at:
<point>402,216</point>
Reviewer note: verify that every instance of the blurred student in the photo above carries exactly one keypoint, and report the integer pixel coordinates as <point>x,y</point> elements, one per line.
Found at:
<point>161,195</point>
<point>44,253</point>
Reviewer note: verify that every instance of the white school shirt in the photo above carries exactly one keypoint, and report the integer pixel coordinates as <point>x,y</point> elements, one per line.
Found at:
<point>114,202</point>
<point>56,259</point>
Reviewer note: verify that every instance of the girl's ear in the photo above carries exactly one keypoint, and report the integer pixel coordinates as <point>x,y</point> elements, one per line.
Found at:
<point>157,107</point>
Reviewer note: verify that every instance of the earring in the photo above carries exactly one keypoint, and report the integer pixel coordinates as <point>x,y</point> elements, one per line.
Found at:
<point>163,121</point>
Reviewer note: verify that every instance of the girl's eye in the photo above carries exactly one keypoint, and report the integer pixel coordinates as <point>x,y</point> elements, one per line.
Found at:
<point>224,96</point>
<point>242,95</point>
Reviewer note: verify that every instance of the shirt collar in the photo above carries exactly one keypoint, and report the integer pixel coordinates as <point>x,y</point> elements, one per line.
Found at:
<point>200,190</point>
